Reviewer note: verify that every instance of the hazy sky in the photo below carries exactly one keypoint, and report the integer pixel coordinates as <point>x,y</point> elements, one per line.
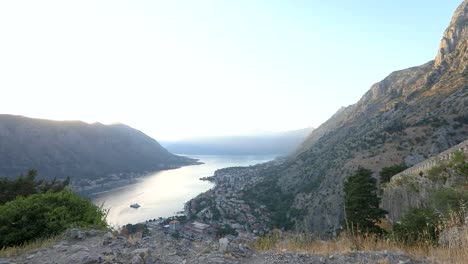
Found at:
<point>178,69</point>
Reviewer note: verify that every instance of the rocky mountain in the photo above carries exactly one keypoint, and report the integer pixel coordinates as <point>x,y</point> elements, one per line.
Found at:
<point>409,116</point>
<point>77,149</point>
<point>275,143</point>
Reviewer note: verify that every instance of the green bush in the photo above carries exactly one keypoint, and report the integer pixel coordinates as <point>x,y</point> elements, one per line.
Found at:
<point>419,225</point>
<point>130,229</point>
<point>388,172</point>
<point>435,173</point>
<point>462,169</point>
<point>27,185</point>
<point>46,214</point>
<point>459,163</point>
<point>225,230</point>
<point>458,157</point>
<point>447,199</point>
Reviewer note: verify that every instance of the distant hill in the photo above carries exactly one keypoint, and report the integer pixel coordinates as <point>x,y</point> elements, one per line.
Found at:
<point>409,116</point>
<point>274,143</point>
<point>77,149</point>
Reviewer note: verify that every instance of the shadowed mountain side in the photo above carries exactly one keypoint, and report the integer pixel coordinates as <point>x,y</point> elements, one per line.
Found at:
<point>77,149</point>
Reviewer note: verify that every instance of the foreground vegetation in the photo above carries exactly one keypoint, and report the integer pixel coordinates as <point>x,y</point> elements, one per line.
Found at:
<point>437,230</point>
<point>33,209</point>
<point>348,242</point>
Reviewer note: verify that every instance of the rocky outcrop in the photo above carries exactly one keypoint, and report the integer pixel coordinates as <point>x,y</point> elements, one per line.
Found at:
<point>455,33</point>
<point>159,247</point>
<point>411,115</point>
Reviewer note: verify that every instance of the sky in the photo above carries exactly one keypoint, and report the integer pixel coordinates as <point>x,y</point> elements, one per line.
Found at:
<point>179,69</point>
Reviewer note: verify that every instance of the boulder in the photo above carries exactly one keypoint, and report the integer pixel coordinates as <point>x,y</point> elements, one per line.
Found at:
<point>107,238</point>
<point>223,244</point>
<point>142,252</point>
<point>74,233</point>
<point>137,260</point>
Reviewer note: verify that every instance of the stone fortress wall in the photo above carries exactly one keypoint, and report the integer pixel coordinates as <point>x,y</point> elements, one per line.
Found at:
<point>427,164</point>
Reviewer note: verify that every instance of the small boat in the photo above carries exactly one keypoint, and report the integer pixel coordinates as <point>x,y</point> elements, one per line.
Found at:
<point>135,205</point>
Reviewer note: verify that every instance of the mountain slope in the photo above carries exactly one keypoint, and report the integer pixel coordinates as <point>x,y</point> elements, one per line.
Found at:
<point>77,149</point>
<point>279,143</point>
<point>410,115</point>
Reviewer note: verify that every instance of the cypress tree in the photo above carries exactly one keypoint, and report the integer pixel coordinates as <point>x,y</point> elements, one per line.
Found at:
<point>362,203</point>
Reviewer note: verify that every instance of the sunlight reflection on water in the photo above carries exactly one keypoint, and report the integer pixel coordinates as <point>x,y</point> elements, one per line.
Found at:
<point>164,193</point>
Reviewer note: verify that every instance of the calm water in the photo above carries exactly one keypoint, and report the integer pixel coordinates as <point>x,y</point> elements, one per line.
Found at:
<point>164,193</point>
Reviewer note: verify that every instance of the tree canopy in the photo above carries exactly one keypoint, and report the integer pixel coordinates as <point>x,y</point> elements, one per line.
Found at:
<point>28,185</point>
<point>362,203</point>
<point>388,172</point>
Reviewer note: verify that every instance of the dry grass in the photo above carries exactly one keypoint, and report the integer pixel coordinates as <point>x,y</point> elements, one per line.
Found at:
<point>305,244</point>
<point>13,251</point>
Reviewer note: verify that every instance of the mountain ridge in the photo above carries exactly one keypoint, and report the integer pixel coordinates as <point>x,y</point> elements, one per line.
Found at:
<point>78,149</point>
<point>410,115</point>
<point>274,143</point>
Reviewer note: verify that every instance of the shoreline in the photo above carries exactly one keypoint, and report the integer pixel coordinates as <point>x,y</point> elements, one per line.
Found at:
<point>122,181</point>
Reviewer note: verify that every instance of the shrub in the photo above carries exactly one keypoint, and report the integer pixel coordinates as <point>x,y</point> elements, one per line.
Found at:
<point>43,215</point>
<point>388,172</point>
<point>130,229</point>
<point>458,161</point>
<point>447,199</point>
<point>458,157</point>
<point>462,169</point>
<point>225,230</point>
<point>27,185</point>
<point>435,173</point>
<point>419,225</point>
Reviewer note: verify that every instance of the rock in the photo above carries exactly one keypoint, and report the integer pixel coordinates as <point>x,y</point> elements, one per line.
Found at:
<point>31,256</point>
<point>244,248</point>
<point>150,260</point>
<point>91,232</point>
<point>78,248</point>
<point>4,261</point>
<point>413,159</point>
<point>77,257</point>
<point>186,242</point>
<point>62,247</point>
<point>75,233</point>
<point>107,238</point>
<point>90,259</point>
<point>223,244</point>
<point>137,260</point>
<point>142,252</point>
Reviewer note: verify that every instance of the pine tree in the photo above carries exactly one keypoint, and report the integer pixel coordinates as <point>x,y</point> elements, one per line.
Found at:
<point>362,203</point>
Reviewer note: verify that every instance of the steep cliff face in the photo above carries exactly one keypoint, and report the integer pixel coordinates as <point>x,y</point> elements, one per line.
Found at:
<point>409,116</point>
<point>454,34</point>
<point>78,149</point>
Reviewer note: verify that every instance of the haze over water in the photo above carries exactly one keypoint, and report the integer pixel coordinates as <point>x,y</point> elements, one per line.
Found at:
<point>164,193</point>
